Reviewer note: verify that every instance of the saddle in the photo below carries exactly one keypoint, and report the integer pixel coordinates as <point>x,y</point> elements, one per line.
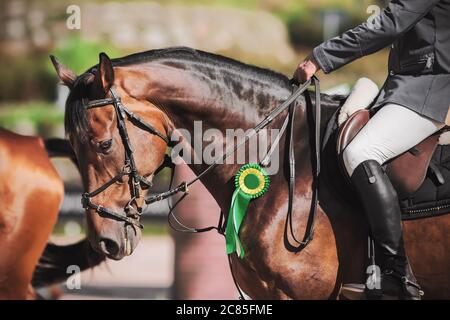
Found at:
<point>419,175</point>
<point>408,171</point>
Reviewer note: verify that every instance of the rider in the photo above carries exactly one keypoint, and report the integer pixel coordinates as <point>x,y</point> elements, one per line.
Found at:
<point>412,105</point>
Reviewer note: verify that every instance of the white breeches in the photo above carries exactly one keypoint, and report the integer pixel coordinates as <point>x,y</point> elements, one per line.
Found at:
<point>393,130</point>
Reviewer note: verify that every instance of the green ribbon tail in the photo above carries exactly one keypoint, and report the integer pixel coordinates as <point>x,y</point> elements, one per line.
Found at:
<point>239,205</point>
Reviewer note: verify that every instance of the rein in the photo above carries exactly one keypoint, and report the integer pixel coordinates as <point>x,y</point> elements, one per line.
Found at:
<point>133,215</point>
<point>290,104</point>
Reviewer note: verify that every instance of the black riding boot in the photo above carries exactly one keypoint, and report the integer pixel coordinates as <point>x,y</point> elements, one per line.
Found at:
<point>382,209</point>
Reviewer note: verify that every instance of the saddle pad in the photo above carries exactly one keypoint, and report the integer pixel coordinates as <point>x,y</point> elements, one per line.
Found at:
<point>432,198</point>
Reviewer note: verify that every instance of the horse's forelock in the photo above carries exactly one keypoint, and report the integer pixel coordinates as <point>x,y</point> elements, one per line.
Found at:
<point>76,119</point>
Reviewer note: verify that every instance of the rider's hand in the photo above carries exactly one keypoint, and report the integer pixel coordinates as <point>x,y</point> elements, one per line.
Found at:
<point>306,70</point>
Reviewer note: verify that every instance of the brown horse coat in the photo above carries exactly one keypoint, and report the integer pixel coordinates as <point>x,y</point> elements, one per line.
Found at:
<point>31,192</point>
<point>188,86</point>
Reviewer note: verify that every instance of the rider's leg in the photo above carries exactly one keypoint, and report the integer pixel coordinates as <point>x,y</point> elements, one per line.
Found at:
<point>392,131</point>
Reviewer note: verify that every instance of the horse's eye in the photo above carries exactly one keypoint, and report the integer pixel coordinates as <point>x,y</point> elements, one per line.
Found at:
<point>105,145</point>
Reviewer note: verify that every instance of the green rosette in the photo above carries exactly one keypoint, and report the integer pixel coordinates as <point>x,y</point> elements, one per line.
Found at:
<point>251,182</point>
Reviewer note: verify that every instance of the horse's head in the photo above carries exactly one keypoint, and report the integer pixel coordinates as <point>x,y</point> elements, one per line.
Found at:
<point>120,141</point>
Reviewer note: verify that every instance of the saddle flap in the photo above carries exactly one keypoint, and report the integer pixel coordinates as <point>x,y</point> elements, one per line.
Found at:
<point>350,128</point>
<point>407,171</point>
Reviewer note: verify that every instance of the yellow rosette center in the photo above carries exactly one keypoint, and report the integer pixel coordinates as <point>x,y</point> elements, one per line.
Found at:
<point>252,181</point>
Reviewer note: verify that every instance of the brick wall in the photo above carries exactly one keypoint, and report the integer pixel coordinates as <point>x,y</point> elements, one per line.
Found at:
<point>201,265</point>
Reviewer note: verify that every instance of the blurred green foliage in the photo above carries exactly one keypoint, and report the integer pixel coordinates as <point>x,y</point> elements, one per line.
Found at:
<point>302,17</point>
<point>32,77</point>
<point>40,115</point>
<point>25,77</point>
<point>79,55</point>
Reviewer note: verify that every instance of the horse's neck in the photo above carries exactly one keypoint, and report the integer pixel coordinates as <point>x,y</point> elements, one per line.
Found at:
<point>187,98</point>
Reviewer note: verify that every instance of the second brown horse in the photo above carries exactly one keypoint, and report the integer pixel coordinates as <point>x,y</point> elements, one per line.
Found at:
<point>31,192</point>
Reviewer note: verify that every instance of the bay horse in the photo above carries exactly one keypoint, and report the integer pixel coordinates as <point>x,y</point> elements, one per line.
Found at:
<point>31,192</point>
<point>53,264</point>
<point>169,90</point>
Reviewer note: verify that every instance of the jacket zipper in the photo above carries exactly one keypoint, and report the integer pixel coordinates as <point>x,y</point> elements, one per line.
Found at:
<point>428,61</point>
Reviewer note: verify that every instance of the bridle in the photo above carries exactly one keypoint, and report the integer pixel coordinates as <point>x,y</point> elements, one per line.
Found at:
<point>314,121</point>
<point>136,181</point>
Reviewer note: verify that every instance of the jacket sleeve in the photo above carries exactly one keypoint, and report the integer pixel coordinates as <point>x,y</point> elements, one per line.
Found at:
<point>396,19</point>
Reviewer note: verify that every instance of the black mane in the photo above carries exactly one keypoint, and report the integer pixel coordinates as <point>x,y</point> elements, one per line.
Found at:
<point>186,54</point>
<point>76,123</point>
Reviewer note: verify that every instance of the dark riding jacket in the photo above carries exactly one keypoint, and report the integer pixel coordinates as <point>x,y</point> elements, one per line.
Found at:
<point>419,63</point>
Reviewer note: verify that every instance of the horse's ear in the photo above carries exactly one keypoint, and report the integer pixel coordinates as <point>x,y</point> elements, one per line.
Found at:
<point>106,72</point>
<point>66,75</point>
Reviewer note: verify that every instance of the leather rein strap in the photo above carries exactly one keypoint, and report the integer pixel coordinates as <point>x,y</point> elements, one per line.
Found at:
<point>136,180</point>
<point>290,103</point>
<point>316,121</point>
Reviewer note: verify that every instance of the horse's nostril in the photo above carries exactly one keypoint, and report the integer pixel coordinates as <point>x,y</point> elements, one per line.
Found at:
<point>109,247</point>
